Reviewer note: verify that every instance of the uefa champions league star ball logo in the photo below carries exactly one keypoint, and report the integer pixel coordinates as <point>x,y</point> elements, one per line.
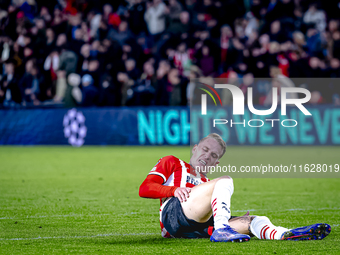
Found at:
<point>74,127</point>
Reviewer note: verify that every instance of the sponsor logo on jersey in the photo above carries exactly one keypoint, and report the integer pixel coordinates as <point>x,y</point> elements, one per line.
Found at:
<point>193,180</point>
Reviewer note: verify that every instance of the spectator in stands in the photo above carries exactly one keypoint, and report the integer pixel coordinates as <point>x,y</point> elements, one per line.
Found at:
<point>174,10</point>
<point>149,76</point>
<point>32,86</point>
<point>178,87</point>
<point>122,35</point>
<point>206,61</point>
<point>171,90</point>
<point>94,71</point>
<point>276,34</point>
<point>136,17</point>
<point>155,18</point>
<point>181,25</point>
<point>89,91</point>
<point>195,73</point>
<point>50,41</point>
<point>67,60</point>
<point>9,88</point>
<point>279,81</point>
<point>125,89</point>
<point>315,17</point>
<point>182,59</point>
<point>131,69</point>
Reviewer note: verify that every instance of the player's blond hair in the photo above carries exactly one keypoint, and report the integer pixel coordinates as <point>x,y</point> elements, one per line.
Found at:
<point>219,139</point>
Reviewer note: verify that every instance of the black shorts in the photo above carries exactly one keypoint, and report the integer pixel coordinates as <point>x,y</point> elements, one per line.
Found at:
<point>179,226</point>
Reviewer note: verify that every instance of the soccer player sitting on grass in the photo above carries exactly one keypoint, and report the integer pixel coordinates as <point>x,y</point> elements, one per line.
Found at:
<point>194,207</point>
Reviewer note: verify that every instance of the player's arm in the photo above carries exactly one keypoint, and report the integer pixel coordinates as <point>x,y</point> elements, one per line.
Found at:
<point>152,188</point>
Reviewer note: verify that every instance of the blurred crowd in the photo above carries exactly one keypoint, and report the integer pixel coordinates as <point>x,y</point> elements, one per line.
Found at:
<point>137,52</point>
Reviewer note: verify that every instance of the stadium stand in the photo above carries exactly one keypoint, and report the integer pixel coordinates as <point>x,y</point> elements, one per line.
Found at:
<point>65,53</point>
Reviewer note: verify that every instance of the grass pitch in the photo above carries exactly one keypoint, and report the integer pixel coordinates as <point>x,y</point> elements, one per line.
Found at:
<point>63,200</point>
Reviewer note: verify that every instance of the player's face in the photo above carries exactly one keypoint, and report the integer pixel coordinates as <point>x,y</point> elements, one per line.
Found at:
<point>205,154</point>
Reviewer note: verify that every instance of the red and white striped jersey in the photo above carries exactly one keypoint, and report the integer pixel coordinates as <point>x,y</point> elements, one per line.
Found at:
<point>176,172</point>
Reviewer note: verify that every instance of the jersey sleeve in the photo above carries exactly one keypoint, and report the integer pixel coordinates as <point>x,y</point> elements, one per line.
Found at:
<point>164,167</point>
<point>152,188</point>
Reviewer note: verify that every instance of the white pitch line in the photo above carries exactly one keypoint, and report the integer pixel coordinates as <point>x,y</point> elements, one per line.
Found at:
<point>293,209</point>
<point>65,237</point>
<point>132,213</point>
<point>56,216</point>
<point>250,210</point>
<point>99,235</point>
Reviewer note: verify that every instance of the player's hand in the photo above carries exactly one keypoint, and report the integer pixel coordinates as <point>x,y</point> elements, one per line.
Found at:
<point>182,194</point>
